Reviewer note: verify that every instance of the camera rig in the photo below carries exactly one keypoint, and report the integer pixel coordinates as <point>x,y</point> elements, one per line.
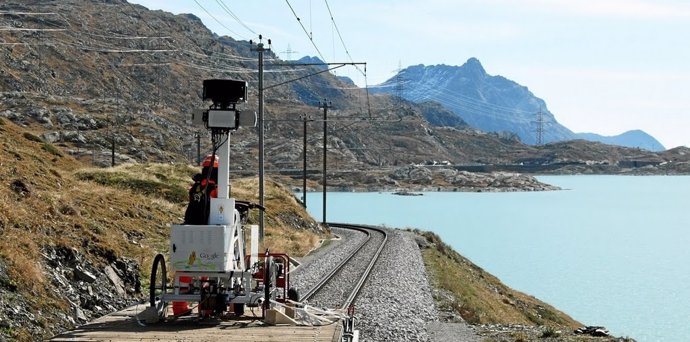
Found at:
<point>223,115</point>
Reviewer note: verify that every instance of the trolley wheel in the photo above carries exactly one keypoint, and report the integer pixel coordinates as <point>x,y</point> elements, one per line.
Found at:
<point>268,281</point>
<point>159,279</point>
<point>293,294</point>
<point>238,309</point>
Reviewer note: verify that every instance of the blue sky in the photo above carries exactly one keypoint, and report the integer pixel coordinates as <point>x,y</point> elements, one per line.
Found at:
<point>602,66</point>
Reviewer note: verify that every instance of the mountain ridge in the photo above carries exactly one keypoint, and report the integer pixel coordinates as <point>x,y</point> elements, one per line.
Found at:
<point>492,103</point>
<point>92,98</point>
<point>632,138</point>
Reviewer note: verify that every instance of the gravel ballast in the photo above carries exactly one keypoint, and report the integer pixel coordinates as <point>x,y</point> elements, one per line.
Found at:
<point>317,264</point>
<point>396,302</point>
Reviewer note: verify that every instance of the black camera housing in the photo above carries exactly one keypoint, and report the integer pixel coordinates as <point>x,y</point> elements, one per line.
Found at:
<point>223,93</point>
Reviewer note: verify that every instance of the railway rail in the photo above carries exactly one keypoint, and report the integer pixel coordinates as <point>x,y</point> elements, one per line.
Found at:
<point>340,287</point>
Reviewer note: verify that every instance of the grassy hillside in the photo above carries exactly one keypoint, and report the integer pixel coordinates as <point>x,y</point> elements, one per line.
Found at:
<point>479,297</point>
<point>465,292</point>
<point>106,217</point>
<point>103,218</point>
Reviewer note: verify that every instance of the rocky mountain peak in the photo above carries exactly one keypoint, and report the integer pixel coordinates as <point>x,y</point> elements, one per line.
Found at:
<point>496,104</point>
<point>474,66</point>
<point>310,59</point>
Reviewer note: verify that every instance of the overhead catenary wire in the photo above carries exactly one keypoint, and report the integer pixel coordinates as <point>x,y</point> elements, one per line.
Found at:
<point>111,50</point>
<point>7,28</point>
<point>340,36</point>
<point>126,37</point>
<point>426,88</point>
<point>224,56</point>
<point>484,108</point>
<point>106,47</point>
<point>475,107</point>
<point>26,13</point>
<point>218,21</point>
<point>310,36</point>
<point>26,44</point>
<point>175,54</point>
<point>460,100</point>
<point>227,9</point>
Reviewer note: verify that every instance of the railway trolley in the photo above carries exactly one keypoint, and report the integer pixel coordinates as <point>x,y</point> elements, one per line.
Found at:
<point>209,263</point>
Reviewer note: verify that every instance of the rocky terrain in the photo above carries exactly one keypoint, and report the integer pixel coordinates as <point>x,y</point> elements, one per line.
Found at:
<point>101,80</point>
<point>78,242</point>
<point>118,82</point>
<point>423,178</point>
<point>403,299</point>
<point>494,103</point>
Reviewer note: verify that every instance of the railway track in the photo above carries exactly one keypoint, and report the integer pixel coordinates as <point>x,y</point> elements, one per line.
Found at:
<point>340,287</point>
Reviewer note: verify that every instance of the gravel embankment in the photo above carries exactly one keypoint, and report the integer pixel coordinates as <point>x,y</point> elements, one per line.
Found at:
<point>317,264</point>
<point>334,294</point>
<point>396,302</point>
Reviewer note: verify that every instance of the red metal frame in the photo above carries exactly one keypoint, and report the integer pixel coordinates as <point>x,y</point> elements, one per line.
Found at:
<point>283,281</point>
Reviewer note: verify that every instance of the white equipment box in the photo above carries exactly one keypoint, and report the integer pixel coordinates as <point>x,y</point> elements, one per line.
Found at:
<point>200,248</point>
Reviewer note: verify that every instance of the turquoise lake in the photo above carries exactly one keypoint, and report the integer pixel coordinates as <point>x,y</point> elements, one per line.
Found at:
<point>609,250</point>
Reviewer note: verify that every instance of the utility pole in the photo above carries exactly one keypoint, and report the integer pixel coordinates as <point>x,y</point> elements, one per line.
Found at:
<point>325,105</point>
<point>304,162</point>
<point>112,124</point>
<point>399,81</point>
<point>112,151</point>
<point>288,53</point>
<point>260,49</point>
<point>540,128</point>
<point>197,135</point>
<point>112,139</point>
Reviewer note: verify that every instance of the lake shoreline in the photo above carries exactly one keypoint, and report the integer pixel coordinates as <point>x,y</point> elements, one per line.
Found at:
<point>593,251</point>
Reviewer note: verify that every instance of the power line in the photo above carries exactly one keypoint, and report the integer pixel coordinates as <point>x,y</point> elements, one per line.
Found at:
<point>399,85</point>
<point>89,48</point>
<point>426,88</point>
<point>26,13</point>
<point>8,28</point>
<point>462,100</point>
<point>109,48</point>
<point>228,57</point>
<point>347,52</point>
<point>97,45</point>
<point>540,123</point>
<point>477,107</point>
<point>218,21</point>
<point>288,53</point>
<point>227,9</point>
<point>311,38</point>
<point>126,37</point>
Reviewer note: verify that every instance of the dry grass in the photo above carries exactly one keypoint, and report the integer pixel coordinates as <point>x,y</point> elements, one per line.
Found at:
<point>281,207</point>
<point>481,298</point>
<point>50,199</point>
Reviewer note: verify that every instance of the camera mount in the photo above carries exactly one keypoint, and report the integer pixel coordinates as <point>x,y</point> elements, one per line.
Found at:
<point>222,115</point>
<point>224,93</point>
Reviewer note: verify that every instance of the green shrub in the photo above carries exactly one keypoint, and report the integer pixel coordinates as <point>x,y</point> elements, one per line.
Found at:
<point>32,137</point>
<point>51,149</point>
<point>170,192</point>
<point>520,336</point>
<point>550,332</point>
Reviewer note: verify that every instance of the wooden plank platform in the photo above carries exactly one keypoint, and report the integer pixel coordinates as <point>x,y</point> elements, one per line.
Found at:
<point>123,326</point>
